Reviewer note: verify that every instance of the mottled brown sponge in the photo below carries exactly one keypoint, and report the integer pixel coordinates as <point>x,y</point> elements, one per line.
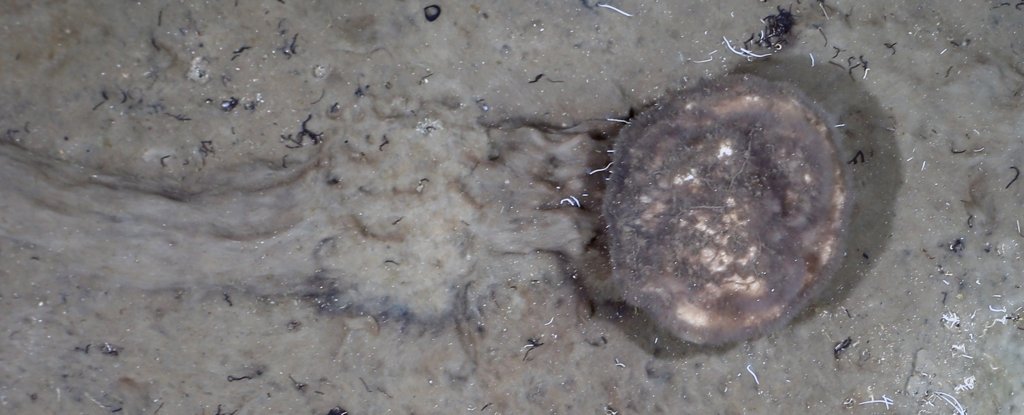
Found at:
<point>726,208</point>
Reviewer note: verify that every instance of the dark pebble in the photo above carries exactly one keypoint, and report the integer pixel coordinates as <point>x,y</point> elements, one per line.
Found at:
<point>432,12</point>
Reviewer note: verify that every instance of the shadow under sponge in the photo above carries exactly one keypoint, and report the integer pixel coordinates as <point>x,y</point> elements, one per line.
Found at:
<point>726,208</point>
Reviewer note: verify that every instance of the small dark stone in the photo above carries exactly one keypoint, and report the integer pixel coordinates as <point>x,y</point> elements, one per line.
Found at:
<point>229,104</point>
<point>957,245</point>
<point>432,12</point>
<point>337,410</point>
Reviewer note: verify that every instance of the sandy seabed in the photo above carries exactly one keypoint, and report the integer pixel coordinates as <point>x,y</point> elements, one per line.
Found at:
<point>330,207</point>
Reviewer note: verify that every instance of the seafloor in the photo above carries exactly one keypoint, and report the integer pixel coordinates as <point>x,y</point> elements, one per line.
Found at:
<point>328,207</point>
